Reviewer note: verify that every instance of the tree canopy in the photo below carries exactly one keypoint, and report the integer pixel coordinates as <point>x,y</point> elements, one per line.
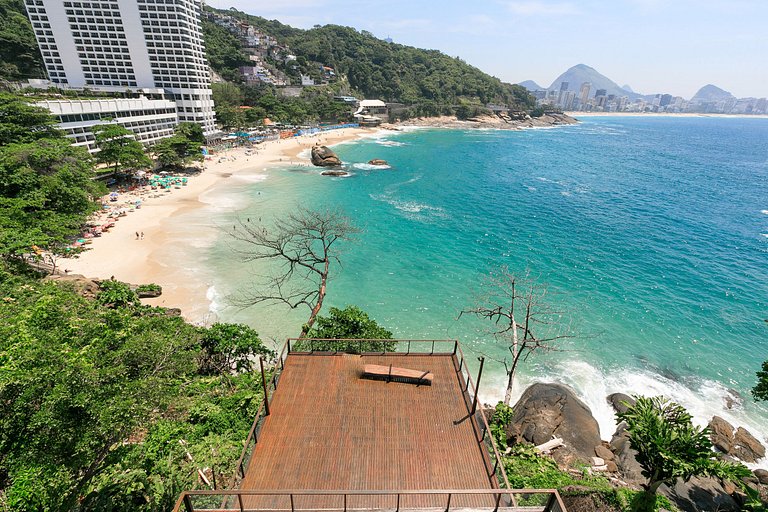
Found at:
<point>119,149</point>
<point>111,404</point>
<point>760,391</point>
<point>19,55</point>
<point>669,446</point>
<point>46,193</point>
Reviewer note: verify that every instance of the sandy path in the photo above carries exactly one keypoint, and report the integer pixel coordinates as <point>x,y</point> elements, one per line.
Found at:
<point>118,253</point>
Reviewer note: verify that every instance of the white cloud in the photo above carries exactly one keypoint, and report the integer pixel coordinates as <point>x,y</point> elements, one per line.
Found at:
<point>541,8</point>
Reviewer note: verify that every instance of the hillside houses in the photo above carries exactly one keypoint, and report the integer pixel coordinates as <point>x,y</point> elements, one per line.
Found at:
<point>260,47</point>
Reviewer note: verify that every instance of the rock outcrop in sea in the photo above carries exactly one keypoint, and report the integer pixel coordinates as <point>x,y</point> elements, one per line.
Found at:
<point>324,157</point>
<point>553,410</point>
<point>545,411</point>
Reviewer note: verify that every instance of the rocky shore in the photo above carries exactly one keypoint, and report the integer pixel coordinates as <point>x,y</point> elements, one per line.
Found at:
<point>553,411</point>
<point>519,122</point>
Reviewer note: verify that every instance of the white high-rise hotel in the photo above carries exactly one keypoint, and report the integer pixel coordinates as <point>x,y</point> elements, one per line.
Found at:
<point>128,44</point>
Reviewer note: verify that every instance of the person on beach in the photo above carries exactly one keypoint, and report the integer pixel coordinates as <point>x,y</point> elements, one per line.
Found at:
<point>137,235</point>
<point>142,235</point>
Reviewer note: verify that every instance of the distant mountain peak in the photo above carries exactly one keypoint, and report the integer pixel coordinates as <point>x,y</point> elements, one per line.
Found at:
<point>710,93</point>
<point>576,75</point>
<point>531,85</point>
<point>627,88</point>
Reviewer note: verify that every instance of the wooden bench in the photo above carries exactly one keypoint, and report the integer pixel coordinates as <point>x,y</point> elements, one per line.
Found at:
<point>393,373</point>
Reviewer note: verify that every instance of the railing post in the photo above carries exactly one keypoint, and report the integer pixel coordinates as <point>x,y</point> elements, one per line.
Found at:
<point>264,384</point>
<point>498,499</point>
<point>398,498</point>
<point>433,348</point>
<point>188,503</point>
<point>448,506</point>
<point>240,501</point>
<point>289,348</point>
<point>292,508</point>
<point>477,384</point>
<point>455,346</point>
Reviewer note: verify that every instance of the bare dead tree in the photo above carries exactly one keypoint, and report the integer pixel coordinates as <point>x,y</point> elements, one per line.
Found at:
<point>303,246</point>
<point>522,318</point>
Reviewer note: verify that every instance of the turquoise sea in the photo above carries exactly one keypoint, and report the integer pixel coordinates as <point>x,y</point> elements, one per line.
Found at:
<point>652,233</point>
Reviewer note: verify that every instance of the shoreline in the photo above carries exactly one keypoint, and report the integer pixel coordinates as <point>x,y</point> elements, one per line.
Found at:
<point>119,254</point>
<point>576,115</point>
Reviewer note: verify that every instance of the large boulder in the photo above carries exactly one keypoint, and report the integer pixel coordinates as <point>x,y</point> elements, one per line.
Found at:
<point>324,157</point>
<point>721,434</point>
<point>547,410</point>
<point>700,494</point>
<point>616,400</point>
<point>740,444</point>
<point>88,288</point>
<point>746,447</point>
<point>377,161</point>
<point>631,470</point>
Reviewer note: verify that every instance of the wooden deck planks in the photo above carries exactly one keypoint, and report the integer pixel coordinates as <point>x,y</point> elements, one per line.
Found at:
<point>331,430</point>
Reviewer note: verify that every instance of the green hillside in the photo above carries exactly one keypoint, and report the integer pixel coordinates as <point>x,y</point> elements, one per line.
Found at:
<point>373,68</point>
<point>19,56</point>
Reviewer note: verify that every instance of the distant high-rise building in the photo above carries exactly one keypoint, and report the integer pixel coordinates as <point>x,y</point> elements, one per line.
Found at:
<point>584,93</point>
<point>665,100</point>
<point>128,44</point>
<point>600,92</point>
<point>563,86</point>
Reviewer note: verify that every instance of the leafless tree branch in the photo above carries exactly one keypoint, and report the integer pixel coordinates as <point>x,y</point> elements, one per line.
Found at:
<point>302,245</point>
<point>537,328</point>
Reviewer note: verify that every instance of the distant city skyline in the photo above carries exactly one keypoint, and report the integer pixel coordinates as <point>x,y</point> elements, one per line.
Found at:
<point>654,46</point>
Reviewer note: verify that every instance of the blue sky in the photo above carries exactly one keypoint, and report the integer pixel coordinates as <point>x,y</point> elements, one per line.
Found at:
<point>672,46</point>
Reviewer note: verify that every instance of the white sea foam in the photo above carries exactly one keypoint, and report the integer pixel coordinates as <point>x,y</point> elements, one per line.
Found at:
<point>371,167</point>
<point>702,398</point>
<point>764,212</point>
<point>392,143</point>
<point>251,178</point>
<point>416,211</point>
<point>215,300</point>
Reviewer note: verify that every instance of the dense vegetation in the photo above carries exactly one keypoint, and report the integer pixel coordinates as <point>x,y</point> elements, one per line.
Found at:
<point>109,402</point>
<point>19,55</point>
<point>428,81</point>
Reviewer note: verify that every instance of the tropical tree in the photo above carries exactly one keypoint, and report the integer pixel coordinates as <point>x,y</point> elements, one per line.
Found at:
<point>46,194</point>
<point>21,122</point>
<point>230,348</point>
<point>669,447</point>
<point>760,391</point>
<point>119,148</point>
<point>303,245</point>
<point>523,320</point>
<point>350,323</point>
<point>182,148</point>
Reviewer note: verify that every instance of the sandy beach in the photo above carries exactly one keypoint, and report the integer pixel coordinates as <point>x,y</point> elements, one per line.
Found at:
<point>120,254</point>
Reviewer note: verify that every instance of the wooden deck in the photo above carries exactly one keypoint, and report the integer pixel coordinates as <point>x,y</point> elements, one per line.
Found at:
<point>331,430</point>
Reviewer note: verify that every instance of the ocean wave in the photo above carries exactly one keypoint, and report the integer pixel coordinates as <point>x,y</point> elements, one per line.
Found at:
<point>370,167</point>
<point>764,212</point>
<point>703,398</point>
<point>414,210</point>
<point>251,178</point>
<point>392,143</point>
<point>216,301</point>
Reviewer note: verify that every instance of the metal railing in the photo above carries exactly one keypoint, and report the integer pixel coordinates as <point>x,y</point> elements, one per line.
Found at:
<point>507,499</point>
<point>396,501</point>
<point>371,346</point>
